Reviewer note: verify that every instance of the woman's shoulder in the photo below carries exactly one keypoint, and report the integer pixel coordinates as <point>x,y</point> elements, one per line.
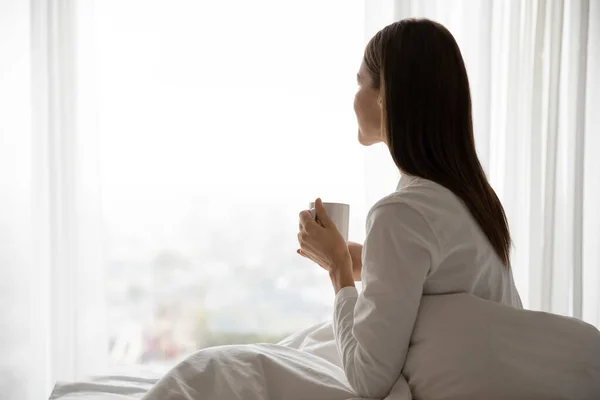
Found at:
<point>405,212</point>
<point>437,211</point>
<point>422,195</point>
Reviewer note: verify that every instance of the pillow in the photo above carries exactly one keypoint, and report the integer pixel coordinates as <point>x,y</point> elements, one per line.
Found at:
<point>464,347</point>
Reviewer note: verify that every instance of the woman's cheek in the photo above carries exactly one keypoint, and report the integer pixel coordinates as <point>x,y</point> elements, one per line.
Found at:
<point>358,107</point>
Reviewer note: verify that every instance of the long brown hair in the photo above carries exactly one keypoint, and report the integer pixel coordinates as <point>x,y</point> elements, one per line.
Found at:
<point>427,120</point>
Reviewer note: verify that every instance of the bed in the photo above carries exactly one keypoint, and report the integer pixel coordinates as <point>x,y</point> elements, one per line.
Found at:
<point>504,353</point>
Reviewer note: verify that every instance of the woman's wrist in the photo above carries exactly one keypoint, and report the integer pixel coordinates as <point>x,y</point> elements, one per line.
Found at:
<point>355,250</point>
<point>341,274</point>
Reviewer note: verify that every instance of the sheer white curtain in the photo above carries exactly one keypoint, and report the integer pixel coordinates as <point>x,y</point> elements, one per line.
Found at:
<point>51,297</point>
<point>532,67</point>
<point>16,259</point>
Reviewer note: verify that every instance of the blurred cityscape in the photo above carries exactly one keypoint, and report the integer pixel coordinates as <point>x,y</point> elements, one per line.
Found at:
<point>219,281</point>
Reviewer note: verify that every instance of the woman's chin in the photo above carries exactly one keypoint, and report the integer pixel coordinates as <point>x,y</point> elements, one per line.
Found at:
<point>366,140</point>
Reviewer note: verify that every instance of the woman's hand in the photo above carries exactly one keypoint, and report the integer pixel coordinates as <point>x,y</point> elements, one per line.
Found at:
<point>355,250</point>
<point>322,243</point>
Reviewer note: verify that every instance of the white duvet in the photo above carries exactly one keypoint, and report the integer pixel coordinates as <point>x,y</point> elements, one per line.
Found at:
<point>462,347</point>
<point>303,366</point>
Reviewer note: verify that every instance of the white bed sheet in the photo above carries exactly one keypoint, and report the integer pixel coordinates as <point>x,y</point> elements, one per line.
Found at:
<point>126,383</point>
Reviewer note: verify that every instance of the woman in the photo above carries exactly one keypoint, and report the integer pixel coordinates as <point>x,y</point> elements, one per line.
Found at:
<point>443,230</point>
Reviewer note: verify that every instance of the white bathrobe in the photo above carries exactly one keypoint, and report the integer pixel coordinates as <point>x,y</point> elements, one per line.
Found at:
<point>421,240</point>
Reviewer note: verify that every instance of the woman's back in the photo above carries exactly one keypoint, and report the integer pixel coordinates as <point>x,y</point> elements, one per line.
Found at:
<point>465,262</point>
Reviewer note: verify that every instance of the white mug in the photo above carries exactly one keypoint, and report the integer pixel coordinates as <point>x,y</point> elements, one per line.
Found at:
<point>339,214</point>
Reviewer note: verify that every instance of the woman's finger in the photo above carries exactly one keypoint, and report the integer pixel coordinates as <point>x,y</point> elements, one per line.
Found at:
<point>322,214</point>
<point>305,218</point>
<point>307,223</point>
<point>299,251</point>
<point>309,257</point>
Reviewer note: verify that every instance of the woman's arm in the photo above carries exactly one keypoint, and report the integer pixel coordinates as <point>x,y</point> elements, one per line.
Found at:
<point>373,330</point>
<point>355,250</point>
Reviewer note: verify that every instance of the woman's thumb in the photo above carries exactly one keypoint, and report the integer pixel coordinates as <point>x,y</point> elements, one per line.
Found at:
<point>322,214</point>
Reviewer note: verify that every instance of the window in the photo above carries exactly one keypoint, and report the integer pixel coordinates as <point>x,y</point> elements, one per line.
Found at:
<point>220,121</point>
